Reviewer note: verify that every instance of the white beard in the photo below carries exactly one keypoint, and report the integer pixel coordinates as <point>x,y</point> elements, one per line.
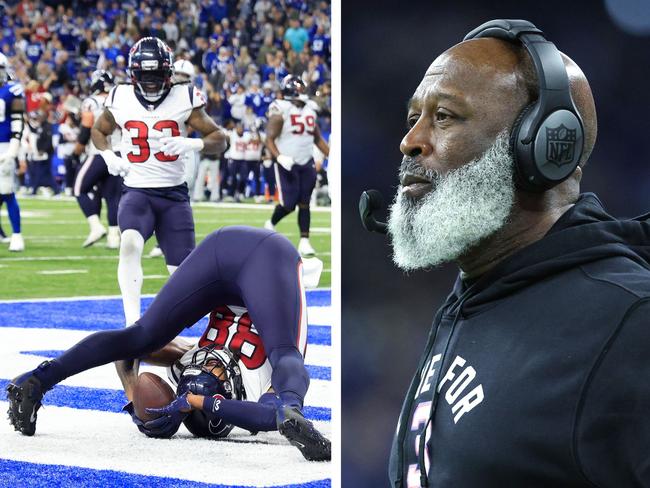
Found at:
<point>465,206</point>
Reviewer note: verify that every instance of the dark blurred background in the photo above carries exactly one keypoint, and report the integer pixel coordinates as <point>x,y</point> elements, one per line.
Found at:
<point>386,49</point>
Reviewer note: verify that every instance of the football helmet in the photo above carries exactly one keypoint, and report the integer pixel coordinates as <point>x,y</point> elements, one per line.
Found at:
<point>183,71</point>
<point>101,81</point>
<point>150,68</point>
<point>4,69</point>
<point>293,88</point>
<point>211,372</point>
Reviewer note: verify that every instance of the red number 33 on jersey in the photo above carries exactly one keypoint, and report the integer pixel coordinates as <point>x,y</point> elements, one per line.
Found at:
<point>141,139</point>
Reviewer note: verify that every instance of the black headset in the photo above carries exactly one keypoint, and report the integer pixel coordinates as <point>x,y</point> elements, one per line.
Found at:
<point>547,137</point>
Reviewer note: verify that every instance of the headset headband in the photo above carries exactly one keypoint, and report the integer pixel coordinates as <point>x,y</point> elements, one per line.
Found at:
<point>553,81</point>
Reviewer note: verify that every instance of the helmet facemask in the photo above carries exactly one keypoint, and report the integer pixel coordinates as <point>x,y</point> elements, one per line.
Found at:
<point>151,83</point>
<point>211,372</point>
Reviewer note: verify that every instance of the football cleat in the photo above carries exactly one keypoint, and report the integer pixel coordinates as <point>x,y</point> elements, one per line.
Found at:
<point>95,235</point>
<point>24,394</point>
<point>301,433</point>
<point>268,225</point>
<point>16,243</point>
<point>304,248</point>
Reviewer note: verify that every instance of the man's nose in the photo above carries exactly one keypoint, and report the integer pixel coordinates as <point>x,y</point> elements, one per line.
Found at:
<point>416,142</point>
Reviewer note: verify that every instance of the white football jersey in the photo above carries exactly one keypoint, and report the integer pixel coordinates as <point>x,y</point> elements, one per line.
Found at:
<point>238,144</point>
<point>297,136</point>
<point>95,104</point>
<point>143,125</point>
<point>231,327</point>
<point>254,148</point>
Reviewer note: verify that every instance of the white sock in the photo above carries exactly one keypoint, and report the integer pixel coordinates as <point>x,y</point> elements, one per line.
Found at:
<point>113,230</point>
<point>129,273</point>
<point>171,268</point>
<point>94,222</point>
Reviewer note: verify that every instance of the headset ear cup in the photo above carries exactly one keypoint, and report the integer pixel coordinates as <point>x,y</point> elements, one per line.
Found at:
<point>516,127</point>
<point>520,171</point>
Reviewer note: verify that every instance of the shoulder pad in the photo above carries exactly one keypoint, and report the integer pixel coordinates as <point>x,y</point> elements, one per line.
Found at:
<point>277,107</point>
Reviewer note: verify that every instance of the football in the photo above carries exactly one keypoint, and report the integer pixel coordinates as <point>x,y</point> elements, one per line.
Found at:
<point>151,391</point>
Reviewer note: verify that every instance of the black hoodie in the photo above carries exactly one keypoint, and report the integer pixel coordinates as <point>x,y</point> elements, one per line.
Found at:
<point>545,367</point>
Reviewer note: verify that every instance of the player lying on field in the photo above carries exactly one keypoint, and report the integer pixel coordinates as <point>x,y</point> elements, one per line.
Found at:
<point>241,266</point>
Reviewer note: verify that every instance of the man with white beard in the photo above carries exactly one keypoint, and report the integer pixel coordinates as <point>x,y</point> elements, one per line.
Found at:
<point>529,375</point>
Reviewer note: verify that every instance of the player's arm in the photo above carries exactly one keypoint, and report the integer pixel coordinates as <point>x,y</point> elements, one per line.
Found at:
<point>273,131</point>
<point>100,134</point>
<point>17,109</point>
<point>320,142</point>
<point>257,416</point>
<point>87,122</point>
<point>212,141</point>
<point>169,354</point>
<point>101,131</point>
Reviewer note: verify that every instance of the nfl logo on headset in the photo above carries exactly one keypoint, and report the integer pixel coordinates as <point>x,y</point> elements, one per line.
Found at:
<point>560,145</point>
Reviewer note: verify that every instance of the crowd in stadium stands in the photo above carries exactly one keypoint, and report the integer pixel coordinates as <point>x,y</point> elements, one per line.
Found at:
<point>241,50</point>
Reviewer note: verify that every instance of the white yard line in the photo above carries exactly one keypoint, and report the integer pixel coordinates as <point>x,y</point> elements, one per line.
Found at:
<point>62,271</point>
<point>94,297</point>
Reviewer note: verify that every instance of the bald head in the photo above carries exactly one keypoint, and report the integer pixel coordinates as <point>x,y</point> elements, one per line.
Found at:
<point>510,67</point>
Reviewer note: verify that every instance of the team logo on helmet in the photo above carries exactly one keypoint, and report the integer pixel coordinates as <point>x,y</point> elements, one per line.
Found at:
<point>560,145</point>
<point>150,67</point>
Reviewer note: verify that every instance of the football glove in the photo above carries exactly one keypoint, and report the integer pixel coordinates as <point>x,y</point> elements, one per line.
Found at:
<point>172,146</point>
<point>171,416</point>
<point>115,164</point>
<point>164,431</point>
<point>285,161</point>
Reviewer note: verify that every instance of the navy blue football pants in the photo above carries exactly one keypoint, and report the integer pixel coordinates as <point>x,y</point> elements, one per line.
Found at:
<point>244,266</point>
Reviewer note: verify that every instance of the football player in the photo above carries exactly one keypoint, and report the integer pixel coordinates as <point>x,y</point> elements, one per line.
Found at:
<point>291,134</point>
<point>12,108</point>
<point>238,166</point>
<point>155,117</point>
<point>242,266</point>
<point>93,180</point>
<point>253,158</point>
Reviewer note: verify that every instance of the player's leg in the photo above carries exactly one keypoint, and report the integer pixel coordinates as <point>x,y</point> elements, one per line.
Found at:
<point>255,167</point>
<point>307,182</point>
<point>7,182</point>
<point>89,175</point>
<point>198,195</point>
<point>136,221</point>
<point>271,283</point>
<point>287,182</point>
<point>174,230</point>
<point>269,178</point>
<point>112,191</point>
<point>190,293</point>
<point>215,179</point>
<point>16,242</point>
<point>242,178</point>
<point>271,286</point>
